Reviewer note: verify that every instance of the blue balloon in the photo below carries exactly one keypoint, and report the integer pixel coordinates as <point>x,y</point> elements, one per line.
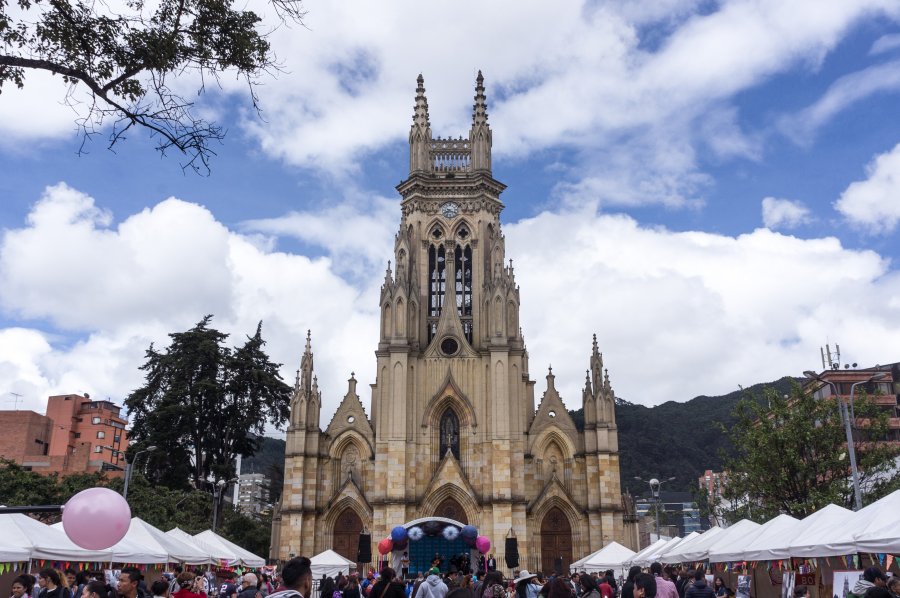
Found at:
<point>398,534</point>
<point>469,531</point>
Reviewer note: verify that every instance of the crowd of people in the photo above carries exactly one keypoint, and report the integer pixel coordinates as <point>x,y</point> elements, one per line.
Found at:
<point>296,581</point>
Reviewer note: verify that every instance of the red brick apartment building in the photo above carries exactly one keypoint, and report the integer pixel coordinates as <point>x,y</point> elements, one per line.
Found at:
<point>70,438</point>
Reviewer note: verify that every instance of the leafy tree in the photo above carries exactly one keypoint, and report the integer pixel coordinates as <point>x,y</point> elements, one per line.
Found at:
<point>126,54</point>
<point>791,455</point>
<point>205,404</point>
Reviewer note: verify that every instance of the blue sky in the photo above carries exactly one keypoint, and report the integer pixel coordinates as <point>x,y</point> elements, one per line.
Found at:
<point>712,188</point>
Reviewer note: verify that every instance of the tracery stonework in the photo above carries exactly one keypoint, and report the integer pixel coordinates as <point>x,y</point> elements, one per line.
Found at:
<point>455,430</point>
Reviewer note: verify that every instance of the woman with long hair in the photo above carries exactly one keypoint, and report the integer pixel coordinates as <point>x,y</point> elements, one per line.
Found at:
<point>719,586</point>
<point>20,588</point>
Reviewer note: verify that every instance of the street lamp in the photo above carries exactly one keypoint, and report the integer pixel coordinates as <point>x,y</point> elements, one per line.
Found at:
<point>846,419</point>
<point>129,465</point>
<point>217,492</point>
<point>654,491</point>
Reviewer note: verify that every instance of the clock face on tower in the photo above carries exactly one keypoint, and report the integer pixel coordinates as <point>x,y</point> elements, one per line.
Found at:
<point>450,209</point>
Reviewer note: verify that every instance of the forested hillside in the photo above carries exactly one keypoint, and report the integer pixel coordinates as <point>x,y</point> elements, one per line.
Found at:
<point>675,439</point>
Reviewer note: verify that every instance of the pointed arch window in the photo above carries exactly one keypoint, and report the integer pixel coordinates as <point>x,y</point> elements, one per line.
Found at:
<point>463,271</point>
<point>437,273</point>
<point>449,433</point>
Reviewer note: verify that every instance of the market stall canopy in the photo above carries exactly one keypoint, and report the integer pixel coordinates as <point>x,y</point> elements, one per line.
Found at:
<point>834,535</point>
<point>880,535</point>
<point>158,542</point>
<point>650,558</point>
<point>731,536</point>
<point>690,546</point>
<point>21,535</point>
<point>245,556</point>
<point>611,556</point>
<point>756,543</point>
<point>129,551</point>
<point>826,518</point>
<point>218,555</point>
<point>330,564</point>
<point>648,550</point>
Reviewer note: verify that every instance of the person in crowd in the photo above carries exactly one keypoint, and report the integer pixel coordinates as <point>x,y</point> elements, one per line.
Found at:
<point>645,586</point>
<point>228,588</point>
<point>173,579</point>
<point>82,578</point>
<point>50,583</point>
<point>432,587</point>
<point>606,590</point>
<point>559,588</point>
<point>460,592</point>
<point>574,585</point>
<point>417,584</point>
<point>160,589</point>
<point>699,589</point>
<point>533,586</point>
<point>894,586</point>
<point>800,592</point>
<point>404,565</point>
<point>492,586</point>
<point>351,590</point>
<point>589,587</point>
<point>326,588</point>
<point>664,587</point>
<point>249,589</point>
<point>21,587</point>
<point>186,581</point>
<point>611,580</point>
<point>99,589</point>
<point>64,584</point>
<point>388,587</point>
<point>877,592</point>
<point>297,578</point>
<point>129,584</point>
<point>71,578</point>
<point>872,577</point>
<point>628,586</point>
<point>719,586</point>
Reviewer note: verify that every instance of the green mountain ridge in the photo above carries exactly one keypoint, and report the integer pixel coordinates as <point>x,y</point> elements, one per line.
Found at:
<point>671,439</point>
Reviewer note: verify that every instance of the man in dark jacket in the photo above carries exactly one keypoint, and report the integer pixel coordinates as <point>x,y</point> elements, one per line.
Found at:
<point>248,586</point>
<point>700,589</point>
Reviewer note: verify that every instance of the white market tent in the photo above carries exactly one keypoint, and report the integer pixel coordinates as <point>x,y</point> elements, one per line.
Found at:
<point>679,553</point>
<point>330,564</point>
<point>782,545</point>
<point>729,536</point>
<point>158,542</point>
<point>246,557</point>
<point>880,534</point>
<point>647,551</point>
<point>218,554</point>
<point>611,556</point>
<point>833,529</point>
<point>129,551</point>
<point>651,557</point>
<point>23,538</point>
<point>755,543</point>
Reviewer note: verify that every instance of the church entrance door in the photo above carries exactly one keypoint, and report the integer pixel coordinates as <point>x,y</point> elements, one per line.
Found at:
<point>450,509</point>
<point>556,542</point>
<point>346,534</point>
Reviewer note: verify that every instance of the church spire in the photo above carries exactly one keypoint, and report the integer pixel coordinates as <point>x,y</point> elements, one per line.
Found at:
<point>420,133</point>
<point>480,133</point>
<point>305,375</point>
<point>596,368</point>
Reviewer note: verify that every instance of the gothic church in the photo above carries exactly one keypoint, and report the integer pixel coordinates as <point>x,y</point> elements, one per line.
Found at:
<point>454,431</point>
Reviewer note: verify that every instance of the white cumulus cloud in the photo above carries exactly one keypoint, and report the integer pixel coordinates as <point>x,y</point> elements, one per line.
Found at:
<point>874,203</point>
<point>703,312</point>
<point>784,213</point>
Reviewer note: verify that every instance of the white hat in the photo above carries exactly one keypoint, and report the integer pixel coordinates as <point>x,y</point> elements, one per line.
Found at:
<point>524,574</point>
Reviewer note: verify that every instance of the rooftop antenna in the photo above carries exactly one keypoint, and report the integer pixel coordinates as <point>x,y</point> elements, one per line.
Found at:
<point>15,400</point>
<point>831,360</point>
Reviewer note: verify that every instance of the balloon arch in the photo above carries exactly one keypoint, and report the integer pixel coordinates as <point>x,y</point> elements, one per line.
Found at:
<point>458,546</point>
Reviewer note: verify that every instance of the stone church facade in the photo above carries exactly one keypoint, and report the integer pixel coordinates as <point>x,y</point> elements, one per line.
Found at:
<point>454,431</point>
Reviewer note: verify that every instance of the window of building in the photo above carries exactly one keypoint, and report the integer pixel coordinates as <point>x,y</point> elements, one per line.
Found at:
<point>437,262</point>
<point>101,434</point>
<point>463,273</point>
<point>98,449</point>
<point>117,438</point>
<point>95,420</point>
<point>449,434</point>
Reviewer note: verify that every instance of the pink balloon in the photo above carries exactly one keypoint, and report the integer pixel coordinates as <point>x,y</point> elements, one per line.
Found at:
<point>482,544</point>
<point>96,518</point>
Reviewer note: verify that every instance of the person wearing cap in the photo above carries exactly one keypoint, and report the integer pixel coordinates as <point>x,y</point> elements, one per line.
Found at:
<point>872,577</point>
<point>433,586</point>
<point>524,583</point>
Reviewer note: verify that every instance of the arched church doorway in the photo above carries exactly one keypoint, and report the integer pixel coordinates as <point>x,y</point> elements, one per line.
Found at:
<point>556,541</point>
<point>450,509</point>
<point>347,528</point>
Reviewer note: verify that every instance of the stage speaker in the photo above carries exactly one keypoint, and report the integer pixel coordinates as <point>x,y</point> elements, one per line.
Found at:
<point>512,553</point>
<point>364,553</point>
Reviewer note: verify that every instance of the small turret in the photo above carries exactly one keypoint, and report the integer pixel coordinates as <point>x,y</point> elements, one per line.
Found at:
<point>480,135</point>
<point>420,133</point>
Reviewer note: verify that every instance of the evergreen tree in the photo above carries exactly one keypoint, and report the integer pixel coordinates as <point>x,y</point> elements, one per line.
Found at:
<point>205,404</point>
